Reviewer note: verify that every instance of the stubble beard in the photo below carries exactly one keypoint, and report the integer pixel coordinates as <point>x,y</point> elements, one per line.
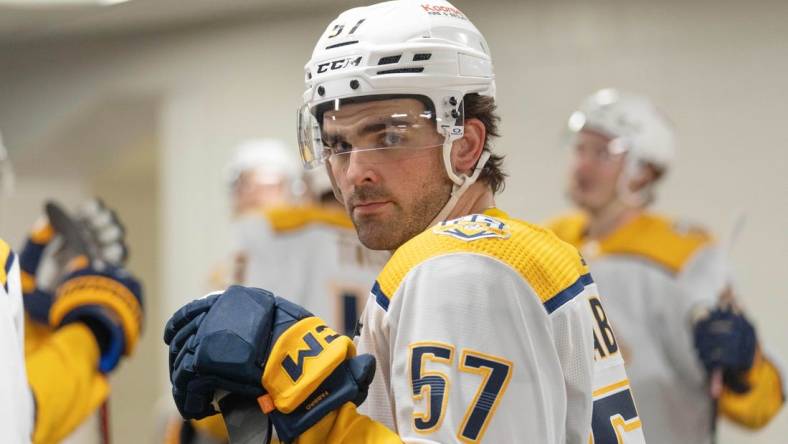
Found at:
<point>389,232</point>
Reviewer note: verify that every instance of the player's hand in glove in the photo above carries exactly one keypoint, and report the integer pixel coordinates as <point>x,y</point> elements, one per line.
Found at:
<point>47,251</point>
<point>247,341</point>
<point>109,302</point>
<point>726,340</point>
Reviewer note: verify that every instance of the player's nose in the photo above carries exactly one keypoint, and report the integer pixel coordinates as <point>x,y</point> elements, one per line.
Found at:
<point>361,169</point>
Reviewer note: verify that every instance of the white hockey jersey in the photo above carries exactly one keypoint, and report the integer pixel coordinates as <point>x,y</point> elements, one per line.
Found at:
<point>16,402</point>
<point>311,256</point>
<point>653,275</point>
<point>488,329</point>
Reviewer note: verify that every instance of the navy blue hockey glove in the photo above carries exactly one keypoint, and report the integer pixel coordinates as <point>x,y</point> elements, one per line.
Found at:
<point>248,342</point>
<point>726,340</point>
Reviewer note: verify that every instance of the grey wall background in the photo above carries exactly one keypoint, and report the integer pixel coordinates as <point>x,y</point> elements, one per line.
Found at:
<point>148,118</point>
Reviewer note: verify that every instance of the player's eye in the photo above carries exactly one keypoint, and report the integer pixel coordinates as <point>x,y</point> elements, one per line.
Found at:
<point>391,138</point>
<point>341,147</point>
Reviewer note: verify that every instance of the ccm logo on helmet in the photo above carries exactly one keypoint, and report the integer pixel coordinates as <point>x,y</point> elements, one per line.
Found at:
<point>338,64</point>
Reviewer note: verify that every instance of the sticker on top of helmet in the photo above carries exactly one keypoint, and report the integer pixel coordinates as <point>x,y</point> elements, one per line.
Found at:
<point>339,27</point>
<point>473,227</point>
<point>443,10</point>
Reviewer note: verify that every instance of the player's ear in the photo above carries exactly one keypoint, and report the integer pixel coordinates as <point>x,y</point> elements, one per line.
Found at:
<point>465,152</point>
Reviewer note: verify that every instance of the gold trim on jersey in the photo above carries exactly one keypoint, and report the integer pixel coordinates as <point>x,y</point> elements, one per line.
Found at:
<point>553,269</point>
<point>610,388</point>
<point>661,240</point>
<point>6,260</point>
<point>292,217</point>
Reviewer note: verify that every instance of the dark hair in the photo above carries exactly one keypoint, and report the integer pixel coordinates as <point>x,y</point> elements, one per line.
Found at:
<point>483,108</point>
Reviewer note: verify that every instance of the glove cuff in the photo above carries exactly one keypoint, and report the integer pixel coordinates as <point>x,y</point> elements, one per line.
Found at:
<point>299,360</point>
<point>336,390</point>
<point>37,305</point>
<point>105,292</point>
<point>108,333</point>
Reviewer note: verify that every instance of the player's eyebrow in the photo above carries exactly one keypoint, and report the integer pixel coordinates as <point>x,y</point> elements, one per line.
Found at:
<point>377,124</point>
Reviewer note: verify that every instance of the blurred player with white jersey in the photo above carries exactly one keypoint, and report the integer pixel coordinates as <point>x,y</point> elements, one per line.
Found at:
<point>262,174</point>
<point>666,284</point>
<point>16,401</point>
<point>482,326</point>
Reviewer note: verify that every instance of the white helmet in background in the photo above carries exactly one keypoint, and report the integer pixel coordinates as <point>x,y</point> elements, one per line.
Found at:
<point>633,123</point>
<point>398,48</point>
<point>259,165</point>
<point>272,159</point>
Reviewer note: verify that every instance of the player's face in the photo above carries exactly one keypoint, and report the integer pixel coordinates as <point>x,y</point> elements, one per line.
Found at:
<point>594,171</point>
<point>391,193</point>
<point>252,192</point>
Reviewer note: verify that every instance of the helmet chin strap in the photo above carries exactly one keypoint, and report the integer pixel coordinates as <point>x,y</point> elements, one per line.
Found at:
<point>461,182</point>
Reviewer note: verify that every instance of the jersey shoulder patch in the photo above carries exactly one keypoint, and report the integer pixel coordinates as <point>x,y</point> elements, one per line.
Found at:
<point>473,227</point>
<point>292,217</point>
<point>551,267</point>
<point>659,239</point>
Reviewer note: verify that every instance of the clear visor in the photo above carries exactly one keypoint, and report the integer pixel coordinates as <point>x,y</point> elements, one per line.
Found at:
<point>383,128</point>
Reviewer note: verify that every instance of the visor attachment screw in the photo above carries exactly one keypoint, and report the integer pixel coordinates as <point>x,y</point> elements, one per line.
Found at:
<point>321,91</point>
<point>452,101</point>
<point>354,84</point>
<point>455,114</point>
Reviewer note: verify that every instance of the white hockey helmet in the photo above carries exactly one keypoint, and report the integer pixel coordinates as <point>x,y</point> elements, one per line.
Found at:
<point>633,124</point>
<point>271,159</point>
<point>398,48</point>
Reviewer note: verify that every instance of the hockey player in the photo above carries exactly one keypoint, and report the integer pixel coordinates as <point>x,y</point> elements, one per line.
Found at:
<point>661,279</point>
<point>482,326</point>
<point>262,174</point>
<point>94,320</point>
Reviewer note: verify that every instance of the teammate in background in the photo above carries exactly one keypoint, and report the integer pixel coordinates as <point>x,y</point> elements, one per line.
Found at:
<point>262,174</point>
<point>93,321</point>
<point>482,326</point>
<point>662,280</point>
